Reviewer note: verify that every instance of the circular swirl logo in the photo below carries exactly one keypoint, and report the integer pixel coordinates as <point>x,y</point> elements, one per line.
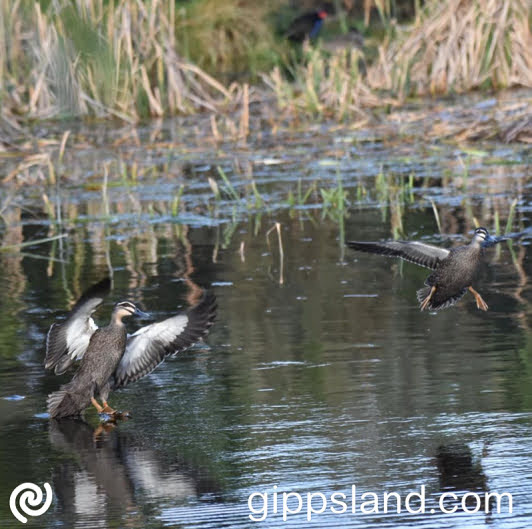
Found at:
<point>31,496</point>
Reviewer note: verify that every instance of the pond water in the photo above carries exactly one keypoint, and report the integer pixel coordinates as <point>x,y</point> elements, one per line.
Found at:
<point>320,373</point>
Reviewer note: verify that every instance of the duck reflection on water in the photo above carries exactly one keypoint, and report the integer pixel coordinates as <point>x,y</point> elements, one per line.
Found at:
<point>106,472</point>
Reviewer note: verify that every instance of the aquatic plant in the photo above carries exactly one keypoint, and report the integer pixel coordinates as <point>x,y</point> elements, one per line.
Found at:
<point>325,85</point>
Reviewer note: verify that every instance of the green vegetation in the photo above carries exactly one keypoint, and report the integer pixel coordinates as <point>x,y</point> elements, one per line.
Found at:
<point>228,38</point>
<point>129,59</point>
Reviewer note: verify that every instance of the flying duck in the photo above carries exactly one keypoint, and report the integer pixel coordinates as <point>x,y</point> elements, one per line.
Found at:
<point>454,269</point>
<point>111,358</point>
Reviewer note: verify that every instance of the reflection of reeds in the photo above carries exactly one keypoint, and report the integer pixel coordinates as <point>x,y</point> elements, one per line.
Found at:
<point>118,191</point>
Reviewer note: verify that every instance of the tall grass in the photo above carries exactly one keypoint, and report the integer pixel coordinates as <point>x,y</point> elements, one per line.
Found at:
<point>99,58</point>
<point>126,59</point>
<point>459,45</point>
<point>325,85</point>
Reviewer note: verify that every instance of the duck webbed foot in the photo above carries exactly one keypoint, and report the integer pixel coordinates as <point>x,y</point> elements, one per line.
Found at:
<point>426,301</point>
<point>481,304</point>
<point>109,414</point>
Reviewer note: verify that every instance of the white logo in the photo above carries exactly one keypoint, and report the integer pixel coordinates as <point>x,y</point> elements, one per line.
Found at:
<point>29,499</point>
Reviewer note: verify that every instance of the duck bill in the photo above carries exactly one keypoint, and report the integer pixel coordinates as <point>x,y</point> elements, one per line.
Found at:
<point>141,314</point>
<point>490,241</point>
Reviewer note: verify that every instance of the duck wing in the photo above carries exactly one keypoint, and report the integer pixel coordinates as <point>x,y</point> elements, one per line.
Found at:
<point>67,342</point>
<point>416,252</point>
<point>150,345</point>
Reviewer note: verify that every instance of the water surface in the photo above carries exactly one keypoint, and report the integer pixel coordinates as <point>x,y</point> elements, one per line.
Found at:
<point>330,379</point>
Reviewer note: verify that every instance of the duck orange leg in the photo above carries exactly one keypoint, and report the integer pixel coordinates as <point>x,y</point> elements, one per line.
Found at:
<point>427,299</point>
<point>99,409</point>
<point>481,304</point>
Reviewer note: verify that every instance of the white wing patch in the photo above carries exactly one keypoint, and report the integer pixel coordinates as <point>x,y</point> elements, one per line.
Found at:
<point>164,331</point>
<point>147,347</point>
<point>428,249</point>
<point>150,345</point>
<point>67,342</point>
<point>78,335</point>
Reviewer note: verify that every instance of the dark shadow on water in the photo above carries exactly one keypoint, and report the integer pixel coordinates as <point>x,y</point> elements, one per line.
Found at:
<point>461,473</point>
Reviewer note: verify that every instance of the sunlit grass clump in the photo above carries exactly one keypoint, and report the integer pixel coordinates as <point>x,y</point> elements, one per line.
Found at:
<point>230,37</point>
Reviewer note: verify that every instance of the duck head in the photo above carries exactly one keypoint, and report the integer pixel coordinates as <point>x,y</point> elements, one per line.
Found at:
<point>482,238</point>
<point>124,309</point>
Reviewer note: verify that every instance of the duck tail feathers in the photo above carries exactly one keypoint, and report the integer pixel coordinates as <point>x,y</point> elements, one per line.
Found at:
<point>66,403</point>
<point>422,294</point>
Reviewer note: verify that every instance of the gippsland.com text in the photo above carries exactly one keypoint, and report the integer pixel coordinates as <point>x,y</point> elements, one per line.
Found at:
<point>273,503</point>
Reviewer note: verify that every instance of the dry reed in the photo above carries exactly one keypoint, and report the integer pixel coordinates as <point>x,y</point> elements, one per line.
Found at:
<point>103,59</point>
<point>122,59</point>
<point>457,46</point>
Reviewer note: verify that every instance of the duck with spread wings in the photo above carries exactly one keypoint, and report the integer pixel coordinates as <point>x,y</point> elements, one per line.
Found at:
<point>454,269</point>
<point>109,357</point>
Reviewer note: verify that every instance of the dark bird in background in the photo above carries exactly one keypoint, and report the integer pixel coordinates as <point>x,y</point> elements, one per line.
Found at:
<point>308,25</point>
<point>454,269</point>
<point>110,358</point>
